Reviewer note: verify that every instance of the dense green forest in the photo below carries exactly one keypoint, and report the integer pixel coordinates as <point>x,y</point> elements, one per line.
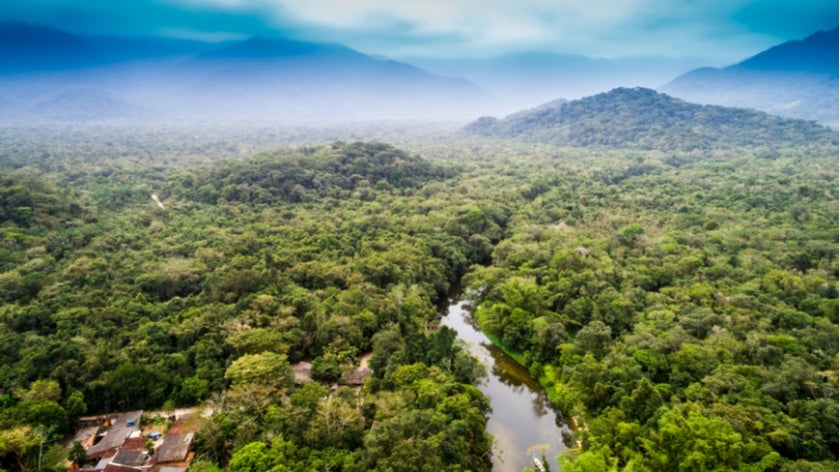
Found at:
<point>685,315</point>
<point>319,253</point>
<point>679,303</point>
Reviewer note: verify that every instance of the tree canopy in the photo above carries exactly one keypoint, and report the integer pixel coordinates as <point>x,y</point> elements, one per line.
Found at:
<point>680,302</point>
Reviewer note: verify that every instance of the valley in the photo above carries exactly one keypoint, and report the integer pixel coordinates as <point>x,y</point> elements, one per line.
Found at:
<point>643,287</point>
<point>239,214</point>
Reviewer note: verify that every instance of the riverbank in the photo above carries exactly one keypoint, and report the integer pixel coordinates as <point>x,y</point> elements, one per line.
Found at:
<point>544,380</point>
<point>522,418</point>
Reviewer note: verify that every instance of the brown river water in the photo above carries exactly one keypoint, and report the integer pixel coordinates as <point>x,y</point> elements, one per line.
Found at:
<point>523,421</point>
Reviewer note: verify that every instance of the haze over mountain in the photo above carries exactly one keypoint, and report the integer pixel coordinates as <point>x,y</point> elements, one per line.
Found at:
<point>50,74</point>
<point>528,79</point>
<point>259,79</point>
<point>645,119</point>
<point>796,79</point>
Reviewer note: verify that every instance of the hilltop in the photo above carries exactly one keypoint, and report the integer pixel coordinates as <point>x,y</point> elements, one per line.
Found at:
<point>313,173</point>
<point>644,119</point>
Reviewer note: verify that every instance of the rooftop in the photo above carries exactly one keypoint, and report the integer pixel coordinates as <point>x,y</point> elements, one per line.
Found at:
<point>117,434</point>
<point>130,458</point>
<point>175,448</point>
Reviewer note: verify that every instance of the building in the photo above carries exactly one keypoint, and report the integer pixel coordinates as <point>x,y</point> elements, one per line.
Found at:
<point>175,448</point>
<point>121,429</point>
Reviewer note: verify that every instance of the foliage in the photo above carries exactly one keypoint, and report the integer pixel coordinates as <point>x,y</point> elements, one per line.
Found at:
<point>685,315</point>
<point>77,454</point>
<point>680,303</point>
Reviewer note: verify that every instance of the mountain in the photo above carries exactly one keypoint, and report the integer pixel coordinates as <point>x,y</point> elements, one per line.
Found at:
<point>127,48</point>
<point>84,105</point>
<point>258,79</point>
<point>797,79</point>
<point>258,47</point>
<point>817,53</point>
<point>645,119</point>
<point>297,80</point>
<point>28,47</point>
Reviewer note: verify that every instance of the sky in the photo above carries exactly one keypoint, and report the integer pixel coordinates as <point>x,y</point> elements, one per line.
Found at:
<point>718,31</point>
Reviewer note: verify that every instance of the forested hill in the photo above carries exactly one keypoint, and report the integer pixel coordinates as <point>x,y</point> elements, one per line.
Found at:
<point>642,118</point>
<point>311,173</point>
<point>110,302</point>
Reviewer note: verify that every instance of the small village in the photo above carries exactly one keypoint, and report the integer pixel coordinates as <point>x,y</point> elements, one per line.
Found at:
<point>138,442</point>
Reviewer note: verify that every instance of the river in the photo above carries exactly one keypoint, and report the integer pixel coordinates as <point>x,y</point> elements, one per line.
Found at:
<point>523,420</point>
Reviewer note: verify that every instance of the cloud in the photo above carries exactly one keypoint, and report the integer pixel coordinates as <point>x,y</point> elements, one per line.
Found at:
<point>136,17</point>
<point>787,18</point>
<point>723,29</point>
<point>204,36</point>
<point>605,28</point>
<point>475,26</point>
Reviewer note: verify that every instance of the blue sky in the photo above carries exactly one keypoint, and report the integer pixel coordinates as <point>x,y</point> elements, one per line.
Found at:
<point>720,31</point>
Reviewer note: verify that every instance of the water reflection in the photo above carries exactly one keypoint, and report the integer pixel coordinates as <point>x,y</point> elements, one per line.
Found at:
<point>523,420</point>
<point>510,373</point>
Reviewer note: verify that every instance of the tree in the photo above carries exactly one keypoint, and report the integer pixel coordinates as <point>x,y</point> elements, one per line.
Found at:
<point>336,422</point>
<point>54,458</point>
<point>595,337</point>
<point>17,443</point>
<point>694,441</point>
<point>77,454</point>
<point>75,406</point>
<point>258,379</point>
<point>252,457</point>
<point>387,344</point>
<point>42,391</point>
<point>49,415</point>
<point>590,461</point>
<point>203,465</point>
<point>134,385</point>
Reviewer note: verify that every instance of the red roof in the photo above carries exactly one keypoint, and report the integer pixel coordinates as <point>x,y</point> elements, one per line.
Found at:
<point>177,427</point>
<point>134,444</point>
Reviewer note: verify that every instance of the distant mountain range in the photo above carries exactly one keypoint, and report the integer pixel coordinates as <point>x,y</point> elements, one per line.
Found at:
<point>527,79</point>
<point>48,74</point>
<point>796,79</point>
<point>645,119</point>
